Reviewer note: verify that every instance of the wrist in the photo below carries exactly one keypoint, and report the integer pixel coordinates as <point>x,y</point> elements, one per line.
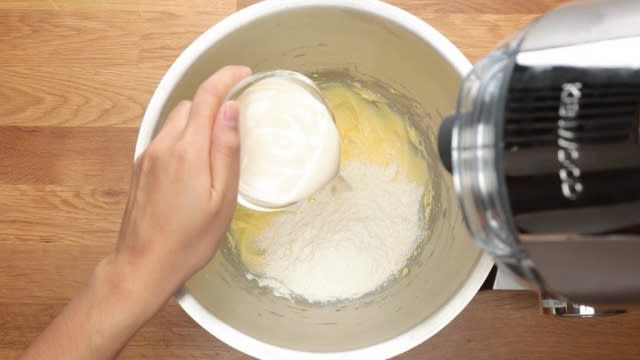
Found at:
<point>127,289</point>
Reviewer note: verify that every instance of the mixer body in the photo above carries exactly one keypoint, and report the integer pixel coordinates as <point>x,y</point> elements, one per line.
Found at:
<point>545,153</point>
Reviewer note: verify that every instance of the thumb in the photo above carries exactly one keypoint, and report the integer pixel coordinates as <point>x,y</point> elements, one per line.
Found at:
<point>225,151</point>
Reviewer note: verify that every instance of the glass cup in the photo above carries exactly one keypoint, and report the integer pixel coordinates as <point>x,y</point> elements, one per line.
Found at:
<point>244,198</point>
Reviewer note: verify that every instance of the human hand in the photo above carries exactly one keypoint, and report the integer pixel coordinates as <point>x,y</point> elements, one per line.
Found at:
<point>184,189</point>
<point>182,196</point>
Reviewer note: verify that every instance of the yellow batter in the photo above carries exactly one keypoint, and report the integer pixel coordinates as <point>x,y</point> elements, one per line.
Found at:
<point>369,131</point>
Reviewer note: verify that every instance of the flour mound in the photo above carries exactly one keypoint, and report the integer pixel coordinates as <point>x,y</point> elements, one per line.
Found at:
<point>341,244</point>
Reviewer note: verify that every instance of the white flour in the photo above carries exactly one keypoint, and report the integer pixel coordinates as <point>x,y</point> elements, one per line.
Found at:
<point>342,244</point>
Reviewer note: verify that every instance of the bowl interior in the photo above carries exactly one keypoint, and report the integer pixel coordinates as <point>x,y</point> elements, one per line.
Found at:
<point>421,83</point>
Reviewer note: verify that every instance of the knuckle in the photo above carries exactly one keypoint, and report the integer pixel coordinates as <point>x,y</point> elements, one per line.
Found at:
<point>233,145</point>
<point>148,160</point>
<point>228,152</point>
<point>179,108</point>
<point>217,86</point>
<point>211,88</point>
<point>184,103</point>
<point>181,148</point>
<point>216,204</point>
<point>219,207</point>
<point>181,153</point>
<point>228,146</point>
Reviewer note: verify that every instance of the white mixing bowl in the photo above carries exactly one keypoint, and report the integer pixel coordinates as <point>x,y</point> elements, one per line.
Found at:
<point>372,40</point>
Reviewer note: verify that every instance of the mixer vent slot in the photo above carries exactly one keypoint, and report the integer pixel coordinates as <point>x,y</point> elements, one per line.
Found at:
<point>608,114</point>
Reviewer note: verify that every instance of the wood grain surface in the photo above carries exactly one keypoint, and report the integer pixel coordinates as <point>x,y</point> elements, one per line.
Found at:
<point>75,77</point>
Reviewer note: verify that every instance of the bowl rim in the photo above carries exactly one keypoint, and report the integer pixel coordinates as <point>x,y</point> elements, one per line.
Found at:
<point>245,343</point>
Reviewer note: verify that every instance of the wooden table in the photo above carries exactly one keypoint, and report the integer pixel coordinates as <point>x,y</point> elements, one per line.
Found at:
<point>75,77</point>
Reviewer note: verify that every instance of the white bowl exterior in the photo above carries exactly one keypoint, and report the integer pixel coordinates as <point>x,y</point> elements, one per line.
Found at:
<point>474,271</point>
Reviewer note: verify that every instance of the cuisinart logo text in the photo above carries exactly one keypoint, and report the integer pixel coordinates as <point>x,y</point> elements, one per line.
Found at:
<point>568,152</point>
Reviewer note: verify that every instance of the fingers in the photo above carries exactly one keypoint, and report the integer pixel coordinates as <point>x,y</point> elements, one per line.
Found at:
<point>225,151</point>
<point>207,102</point>
<point>175,122</point>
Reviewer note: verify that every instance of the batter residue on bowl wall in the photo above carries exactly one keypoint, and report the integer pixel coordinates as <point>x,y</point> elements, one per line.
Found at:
<point>343,243</point>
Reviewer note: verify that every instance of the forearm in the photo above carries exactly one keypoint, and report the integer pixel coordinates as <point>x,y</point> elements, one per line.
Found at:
<point>100,320</point>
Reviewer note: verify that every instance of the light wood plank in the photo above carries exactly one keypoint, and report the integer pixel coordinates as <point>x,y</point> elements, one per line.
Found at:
<point>66,155</point>
<point>478,37</point>
<point>179,6</point>
<point>55,204</point>
<point>76,96</point>
<point>46,271</point>
<point>64,215</point>
<point>57,234</point>
<point>464,6</point>
<point>496,325</point>
<point>95,39</point>
<point>475,7</point>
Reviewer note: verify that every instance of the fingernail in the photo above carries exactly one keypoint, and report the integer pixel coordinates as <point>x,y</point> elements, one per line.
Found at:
<point>230,114</point>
